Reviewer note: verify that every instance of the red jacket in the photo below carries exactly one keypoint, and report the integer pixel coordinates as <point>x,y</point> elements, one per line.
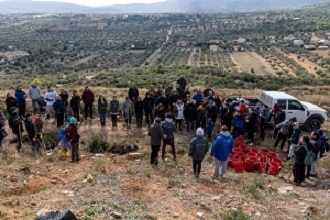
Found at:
<point>71,134</point>
<point>88,97</point>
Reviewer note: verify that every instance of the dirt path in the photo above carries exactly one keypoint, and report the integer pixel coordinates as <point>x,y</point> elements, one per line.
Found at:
<point>309,66</point>
<point>84,60</point>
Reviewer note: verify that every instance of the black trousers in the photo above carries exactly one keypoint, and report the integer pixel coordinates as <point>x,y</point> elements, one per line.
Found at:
<point>154,154</point>
<point>299,172</point>
<point>89,109</point>
<point>251,132</point>
<point>74,153</point>
<point>197,165</point>
<point>149,116</point>
<point>280,137</point>
<point>76,113</point>
<point>114,120</point>
<point>60,119</point>
<point>169,142</point>
<point>262,131</point>
<point>21,110</point>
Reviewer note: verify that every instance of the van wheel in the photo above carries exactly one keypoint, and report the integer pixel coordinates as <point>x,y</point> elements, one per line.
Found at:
<point>313,124</point>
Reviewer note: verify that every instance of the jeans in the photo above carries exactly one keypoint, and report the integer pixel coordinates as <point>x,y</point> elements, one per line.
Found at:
<point>114,120</point>
<point>220,165</point>
<point>149,116</point>
<point>103,117</point>
<point>76,113</point>
<point>34,105</point>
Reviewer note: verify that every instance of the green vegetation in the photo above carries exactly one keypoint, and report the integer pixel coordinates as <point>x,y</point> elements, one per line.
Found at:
<point>236,214</point>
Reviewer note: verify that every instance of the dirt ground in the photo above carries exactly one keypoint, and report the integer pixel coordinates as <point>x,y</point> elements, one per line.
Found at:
<point>99,186</point>
<point>247,60</point>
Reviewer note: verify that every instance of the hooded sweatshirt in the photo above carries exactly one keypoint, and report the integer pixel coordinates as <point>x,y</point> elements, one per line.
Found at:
<point>284,126</point>
<point>198,147</point>
<point>222,146</point>
<point>168,127</point>
<point>296,134</point>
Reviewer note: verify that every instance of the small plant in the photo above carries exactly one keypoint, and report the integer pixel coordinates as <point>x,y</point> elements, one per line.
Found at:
<point>51,138</point>
<point>237,214</point>
<point>255,186</point>
<point>89,212</point>
<point>174,182</point>
<point>8,203</point>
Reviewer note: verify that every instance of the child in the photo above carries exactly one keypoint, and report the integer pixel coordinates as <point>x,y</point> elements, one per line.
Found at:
<point>36,144</point>
<point>39,124</point>
<point>42,105</point>
<point>209,128</point>
<point>65,144</point>
<point>294,140</point>
<point>179,114</point>
<point>238,123</point>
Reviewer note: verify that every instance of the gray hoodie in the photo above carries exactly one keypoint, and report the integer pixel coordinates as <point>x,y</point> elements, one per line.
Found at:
<point>198,147</point>
<point>34,92</point>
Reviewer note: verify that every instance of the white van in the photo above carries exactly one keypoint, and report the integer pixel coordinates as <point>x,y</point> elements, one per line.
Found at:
<point>306,113</point>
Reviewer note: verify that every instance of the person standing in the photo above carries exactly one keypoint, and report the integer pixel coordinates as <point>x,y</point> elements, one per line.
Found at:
<point>3,132</point>
<point>299,167</point>
<point>138,111</point>
<point>190,114</point>
<point>102,106</point>
<point>221,148</point>
<point>133,92</point>
<point>15,123</point>
<point>198,148</point>
<point>72,135</point>
<point>200,118</point>
<point>65,97</point>
<point>282,135</point>
<point>251,125</point>
<point>88,99</point>
<point>211,111</point>
<point>127,112</point>
<point>114,111</point>
<point>182,82</point>
<point>148,105</point>
<point>34,95</point>
<point>265,113</point>
<point>59,110</point>
<point>168,127</point>
<point>50,97</point>
<point>29,126</point>
<point>179,114</point>
<point>21,96</point>
<point>316,147</point>
<point>75,105</point>
<point>156,137</point>
<point>11,101</point>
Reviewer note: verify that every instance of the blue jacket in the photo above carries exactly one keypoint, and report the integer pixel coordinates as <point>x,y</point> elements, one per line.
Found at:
<point>209,127</point>
<point>238,122</point>
<point>222,146</point>
<point>19,94</point>
<point>198,98</point>
<point>295,136</point>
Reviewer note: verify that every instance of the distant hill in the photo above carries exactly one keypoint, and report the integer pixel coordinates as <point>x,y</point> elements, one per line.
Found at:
<point>171,6</point>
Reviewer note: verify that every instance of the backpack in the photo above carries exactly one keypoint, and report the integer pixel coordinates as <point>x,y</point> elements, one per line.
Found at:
<point>309,158</point>
<point>280,117</point>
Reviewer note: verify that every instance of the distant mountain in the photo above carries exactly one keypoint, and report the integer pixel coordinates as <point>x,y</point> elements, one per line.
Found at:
<point>170,6</point>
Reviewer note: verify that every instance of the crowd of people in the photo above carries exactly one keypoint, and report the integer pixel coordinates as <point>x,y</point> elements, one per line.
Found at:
<point>164,111</point>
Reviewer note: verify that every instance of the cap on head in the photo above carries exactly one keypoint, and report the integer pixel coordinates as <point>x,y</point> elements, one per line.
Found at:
<point>200,132</point>
<point>73,120</point>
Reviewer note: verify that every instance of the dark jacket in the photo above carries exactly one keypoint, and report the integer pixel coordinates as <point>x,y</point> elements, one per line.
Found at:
<point>168,127</point>
<point>148,104</point>
<point>182,82</point>
<point>251,125</point>
<point>211,112</point>
<point>300,153</point>
<point>200,118</point>
<point>162,100</point>
<point>87,97</point>
<point>198,147</point>
<point>138,107</point>
<point>173,98</point>
<point>190,112</point>
<point>11,102</point>
<point>58,106</point>
<point>29,126</point>
<point>71,134</point>
<point>133,93</point>
<point>65,98</point>
<point>15,123</point>
<point>114,107</point>
<point>156,133</point>
<point>102,106</point>
<point>20,96</point>
<point>75,102</point>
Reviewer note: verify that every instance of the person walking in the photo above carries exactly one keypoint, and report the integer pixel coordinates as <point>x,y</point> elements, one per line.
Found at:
<point>156,137</point>
<point>75,105</point>
<point>282,134</point>
<point>88,99</point>
<point>34,95</point>
<point>221,148</point>
<point>198,148</point>
<point>168,127</point>
<point>114,111</point>
<point>102,106</point>
<point>72,135</point>
<point>50,97</point>
<point>21,102</point>
<point>127,112</point>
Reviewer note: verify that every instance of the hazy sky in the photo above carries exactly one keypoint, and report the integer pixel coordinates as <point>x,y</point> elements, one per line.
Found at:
<point>95,3</point>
